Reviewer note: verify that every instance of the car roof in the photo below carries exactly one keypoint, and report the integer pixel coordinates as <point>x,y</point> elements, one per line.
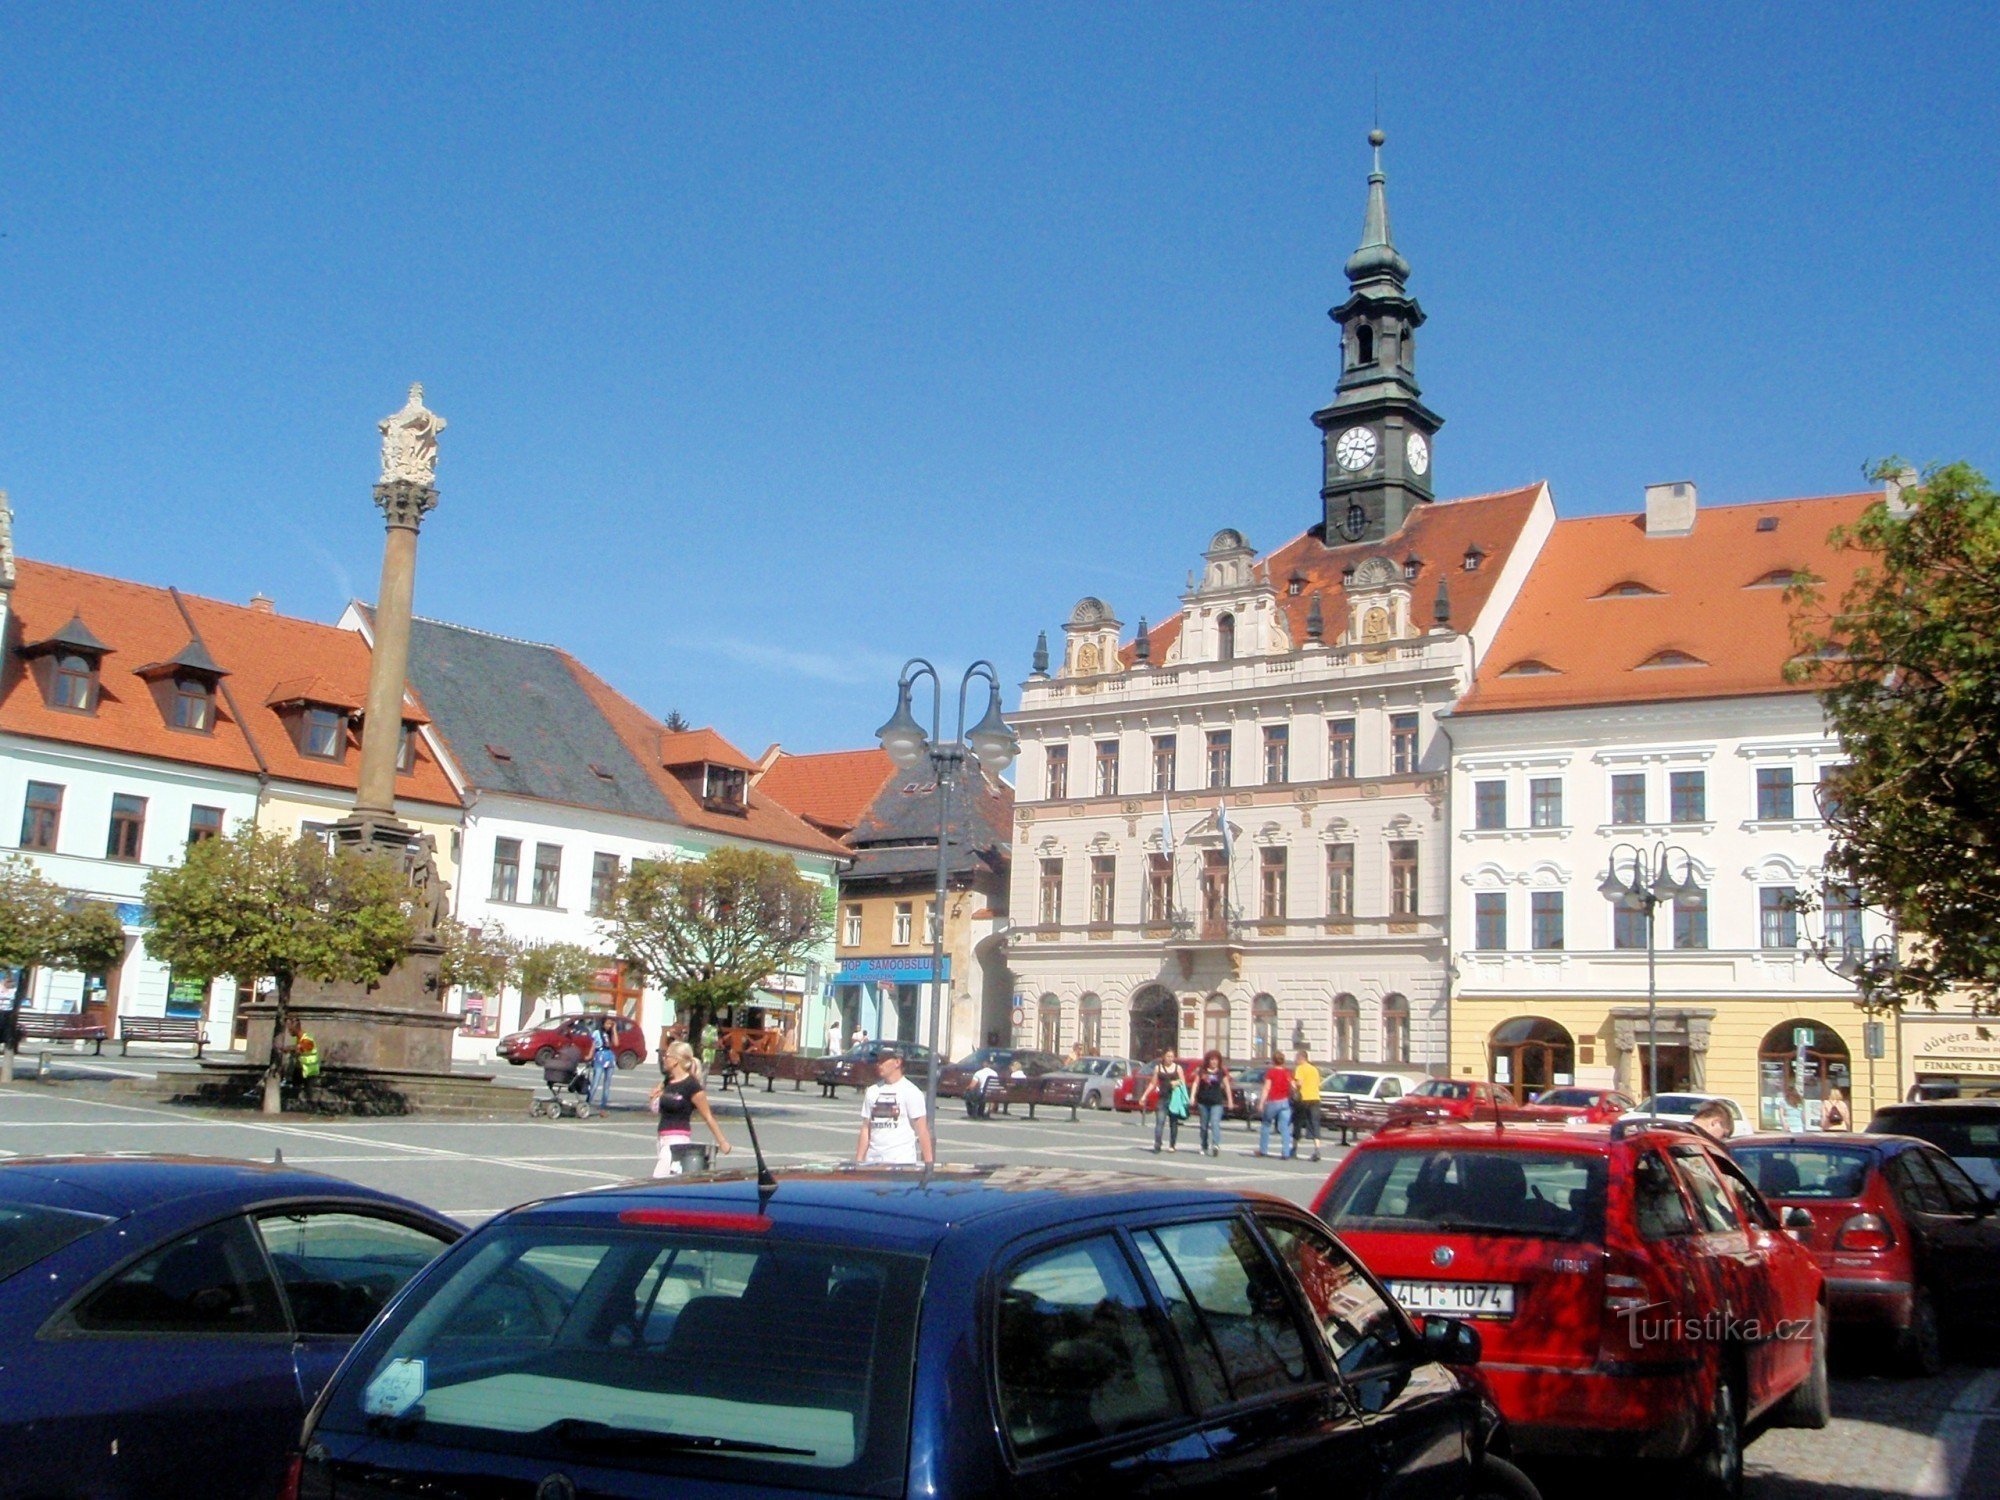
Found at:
<point>908,1203</point>
<point>121,1185</point>
<point>1924,1109</point>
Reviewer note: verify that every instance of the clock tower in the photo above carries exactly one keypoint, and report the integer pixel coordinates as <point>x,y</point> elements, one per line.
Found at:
<point>1378,433</point>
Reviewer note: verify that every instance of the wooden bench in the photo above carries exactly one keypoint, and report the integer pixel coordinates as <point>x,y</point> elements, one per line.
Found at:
<point>1054,1090</point>
<point>772,1066</point>
<point>160,1029</point>
<point>61,1026</point>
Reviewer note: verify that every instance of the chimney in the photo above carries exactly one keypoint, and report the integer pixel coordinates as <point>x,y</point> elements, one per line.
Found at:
<point>264,604</point>
<point>1893,486</point>
<point>1670,509</point>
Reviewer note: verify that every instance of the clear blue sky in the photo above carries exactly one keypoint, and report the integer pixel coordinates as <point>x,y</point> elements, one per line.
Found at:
<point>780,342</point>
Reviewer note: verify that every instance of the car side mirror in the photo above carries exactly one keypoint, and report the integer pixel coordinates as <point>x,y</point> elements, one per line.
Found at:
<point>1798,1224</point>
<point>1451,1341</point>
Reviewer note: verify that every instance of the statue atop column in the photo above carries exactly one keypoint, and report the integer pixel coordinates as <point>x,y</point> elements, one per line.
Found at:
<point>409,442</point>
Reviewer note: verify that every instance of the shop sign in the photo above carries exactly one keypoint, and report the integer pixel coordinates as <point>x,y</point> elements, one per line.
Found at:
<point>1952,1045</point>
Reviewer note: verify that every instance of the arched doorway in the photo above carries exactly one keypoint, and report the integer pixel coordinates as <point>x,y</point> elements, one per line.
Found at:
<point>1153,1022</point>
<point>1090,1025</point>
<point>1530,1053</point>
<point>1048,1024</point>
<point>1346,1029</point>
<point>1797,1064</point>
<point>1263,1027</point>
<point>1395,1029</point>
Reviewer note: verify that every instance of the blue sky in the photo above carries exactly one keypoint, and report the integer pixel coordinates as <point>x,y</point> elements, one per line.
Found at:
<point>781,342</point>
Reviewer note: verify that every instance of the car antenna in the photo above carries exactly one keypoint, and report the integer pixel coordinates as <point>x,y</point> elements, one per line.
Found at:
<point>765,1181</point>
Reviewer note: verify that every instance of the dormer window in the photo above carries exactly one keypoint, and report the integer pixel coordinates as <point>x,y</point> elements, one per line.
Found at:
<point>184,687</point>
<point>406,748</point>
<point>1295,585</point>
<point>322,733</point>
<point>74,684</point>
<point>67,664</point>
<point>1411,567</point>
<point>724,786</point>
<point>1473,558</point>
<point>193,705</point>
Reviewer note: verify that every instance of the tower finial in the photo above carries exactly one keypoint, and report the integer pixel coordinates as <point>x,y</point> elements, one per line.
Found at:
<point>1377,258</point>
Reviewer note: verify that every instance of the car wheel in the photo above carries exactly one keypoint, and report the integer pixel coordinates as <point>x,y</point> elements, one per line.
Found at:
<point>1921,1348</point>
<point>1093,1100</point>
<point>545,1055</point>
<point>517,1062</point>
<point>1810,1403</point>
<point>1499,1480</point>
<point>628,1060</point>
<point>1715,1470</point>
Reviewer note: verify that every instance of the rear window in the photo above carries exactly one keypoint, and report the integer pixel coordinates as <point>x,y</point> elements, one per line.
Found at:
<point>1568,1098</point>
<point>1830,1172</point>
<point>29,1231</point>
<point>1443,1088</point>
<point>1556,1195</point>
<point>1349,1083</point>
<point>664,1350</point>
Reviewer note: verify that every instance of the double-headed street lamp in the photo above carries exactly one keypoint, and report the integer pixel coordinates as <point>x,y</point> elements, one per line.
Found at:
<point>1870,970</point>
<point>1649,880</point>
<point>993,745</point>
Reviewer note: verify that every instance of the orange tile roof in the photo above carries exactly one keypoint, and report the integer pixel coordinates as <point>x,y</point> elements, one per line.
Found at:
<point>1616,616</point>
<point>259,651</point>
<point>1437,535</point>
<point>642,735</point>
<point>694,747</point>
<point>830,790</point>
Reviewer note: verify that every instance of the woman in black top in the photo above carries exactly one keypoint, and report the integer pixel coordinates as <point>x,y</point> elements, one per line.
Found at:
<point>679,1099</point>
<point>1167,1073</point>
<point>1213,1094</point>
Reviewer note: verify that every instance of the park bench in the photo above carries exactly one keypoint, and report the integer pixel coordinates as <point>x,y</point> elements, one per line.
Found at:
<point>61,1026</point>
<point>1054,1090</point>
<point>1353,1117</point>
<point>160,1029</point>
<point>773,1066</point>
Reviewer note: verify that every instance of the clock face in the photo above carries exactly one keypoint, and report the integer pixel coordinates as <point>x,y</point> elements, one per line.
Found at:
<point>1419,453</point>
<point>1356,448</point>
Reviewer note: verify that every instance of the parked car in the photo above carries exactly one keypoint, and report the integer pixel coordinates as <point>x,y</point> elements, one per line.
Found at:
<point>1634,1293</point>
<point>957,1077</point>
<point>958,1332</point>
<point>537,1044</point>
<point>859,1067</point>
<point>1966,1130</point>
<point>1101,1076</point>
<point>1360,1098</point>
<point>1438,1099</point>
<point>1679,1109</point>
<point>166,1321</point>
<point>1907,1242</point>
<point>1593,1106</point>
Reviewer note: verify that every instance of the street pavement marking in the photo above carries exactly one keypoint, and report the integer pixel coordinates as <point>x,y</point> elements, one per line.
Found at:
<point>1957,1436</point>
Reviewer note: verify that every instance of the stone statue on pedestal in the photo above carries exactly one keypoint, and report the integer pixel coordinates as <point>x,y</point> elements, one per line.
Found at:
<point>409,442</point>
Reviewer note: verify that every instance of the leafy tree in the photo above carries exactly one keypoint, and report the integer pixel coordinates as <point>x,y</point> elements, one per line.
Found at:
<point>255,903</point>
<point>43,926</point>
<point>709,930</point>
<point>676,724</point>
<point>476,958</point>
<point>1908,666</point>
<point>555,969</point>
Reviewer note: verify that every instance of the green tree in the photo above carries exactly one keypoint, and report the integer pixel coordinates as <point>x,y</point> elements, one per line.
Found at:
<point>554,969</point>
<point>476,958</point>
<point>709,930</point>
<point>1908,667</point>
<point>43,926</point>
<point>255,903</point>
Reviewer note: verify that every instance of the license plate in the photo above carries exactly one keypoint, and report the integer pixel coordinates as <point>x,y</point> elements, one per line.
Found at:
<point>1456,1299</point>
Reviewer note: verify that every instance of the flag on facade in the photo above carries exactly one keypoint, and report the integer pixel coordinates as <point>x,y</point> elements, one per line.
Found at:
<point>1166,825</point>
<point>1228,855</point>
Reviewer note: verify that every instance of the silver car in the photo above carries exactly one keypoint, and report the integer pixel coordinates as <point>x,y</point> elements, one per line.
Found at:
<point>1101,1076</point>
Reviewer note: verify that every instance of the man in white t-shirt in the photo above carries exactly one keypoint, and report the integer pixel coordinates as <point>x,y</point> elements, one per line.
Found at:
<point>833,1036</point>
<point>894,1130</point>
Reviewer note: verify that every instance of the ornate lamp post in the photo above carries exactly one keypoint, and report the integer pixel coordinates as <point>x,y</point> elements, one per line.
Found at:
<point>1870,970</point>
<point>993,745</point>
<point>1647,881</point>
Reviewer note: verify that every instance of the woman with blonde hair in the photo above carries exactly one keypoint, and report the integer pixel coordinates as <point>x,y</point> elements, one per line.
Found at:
<point>679,1098</point>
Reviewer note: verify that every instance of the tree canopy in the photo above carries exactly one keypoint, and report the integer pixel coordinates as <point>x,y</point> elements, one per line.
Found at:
<point>42,926</point>
<point>1908,666</point>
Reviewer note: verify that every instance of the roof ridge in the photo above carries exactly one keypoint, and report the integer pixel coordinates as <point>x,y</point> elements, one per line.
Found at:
<point>491,635</point>
<point>1707,508</point>
<point>1456,500</point>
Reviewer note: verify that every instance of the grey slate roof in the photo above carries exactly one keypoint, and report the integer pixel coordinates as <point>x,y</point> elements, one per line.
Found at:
<point>483,689</point>
<point>897,836</point>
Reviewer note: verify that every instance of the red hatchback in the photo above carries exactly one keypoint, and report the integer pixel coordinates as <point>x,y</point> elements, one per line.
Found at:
<point>1633,1292</point>
<point>1906,1241</point>
<point>540,1043</point>
<point>1452,1099</point>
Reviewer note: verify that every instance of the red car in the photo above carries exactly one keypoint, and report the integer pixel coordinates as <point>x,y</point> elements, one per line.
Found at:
<point>1592,1106</point>
<point>1634,1293</point>
<point>1437,1099</point>
<point>1905,1239</point>
<point>540,1043</point>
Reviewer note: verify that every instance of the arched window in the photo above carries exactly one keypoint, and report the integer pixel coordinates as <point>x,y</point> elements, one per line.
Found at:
<point>1798,1064</point>
<point>1048,1019</point>
<point>1364,345</point>
<point>1215,1026</point>
<point>1225,638</point>
<point>1346,1029</point>
<point>1090,1025</point>
<point>1153,1023</point>
<point>1529,1054</point>
<point>1395,1029</point>
<point>1263,1027</point>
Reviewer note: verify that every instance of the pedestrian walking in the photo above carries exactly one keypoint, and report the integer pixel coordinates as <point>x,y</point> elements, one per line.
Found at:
<point>894,1129</point>
<point>1167,1097</point>
<point>679,1098</point>
<point>603,1062</point>
<point>1277,1111</point>
<point>1214,1096</point>
<point>1305,1102</point>
<point>833,1035</point>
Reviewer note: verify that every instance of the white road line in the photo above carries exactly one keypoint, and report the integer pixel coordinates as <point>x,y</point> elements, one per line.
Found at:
<point>1957,1436</point>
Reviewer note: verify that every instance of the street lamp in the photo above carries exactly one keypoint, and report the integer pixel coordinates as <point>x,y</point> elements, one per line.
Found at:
<point>1649,881</point>
<point>1870,970</point>
<point>993,745</point>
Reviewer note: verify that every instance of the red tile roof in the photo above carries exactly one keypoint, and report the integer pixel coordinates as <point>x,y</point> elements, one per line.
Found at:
<point>1611,615</point>
<point>642,735</point>
<point>142,625</point>
<point>694,747</point>
<point>1438,535</point>
<point>830,790</point>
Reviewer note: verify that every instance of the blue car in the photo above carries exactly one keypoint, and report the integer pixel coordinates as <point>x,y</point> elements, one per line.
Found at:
<point>919,1332</point>
<point>165,1322</point>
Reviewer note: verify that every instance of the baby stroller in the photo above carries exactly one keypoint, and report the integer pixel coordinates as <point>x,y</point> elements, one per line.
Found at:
<point>567,1078</point>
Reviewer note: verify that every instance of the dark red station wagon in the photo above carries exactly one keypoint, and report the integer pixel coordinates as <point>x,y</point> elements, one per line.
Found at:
<point>1633,1291</point>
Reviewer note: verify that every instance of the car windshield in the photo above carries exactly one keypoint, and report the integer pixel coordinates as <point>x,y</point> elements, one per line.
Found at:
<point>1557,1195</point>
<point>653,1343</point>
<point>1349,1083</point>
<point>976,1060</point>
<point>1972,1140</point>
<point>1568,1098</point>
<point>29,1231</point>
<point>1832,1172</point>
<point>1673,1104</point>
<point>1442,1088</point>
